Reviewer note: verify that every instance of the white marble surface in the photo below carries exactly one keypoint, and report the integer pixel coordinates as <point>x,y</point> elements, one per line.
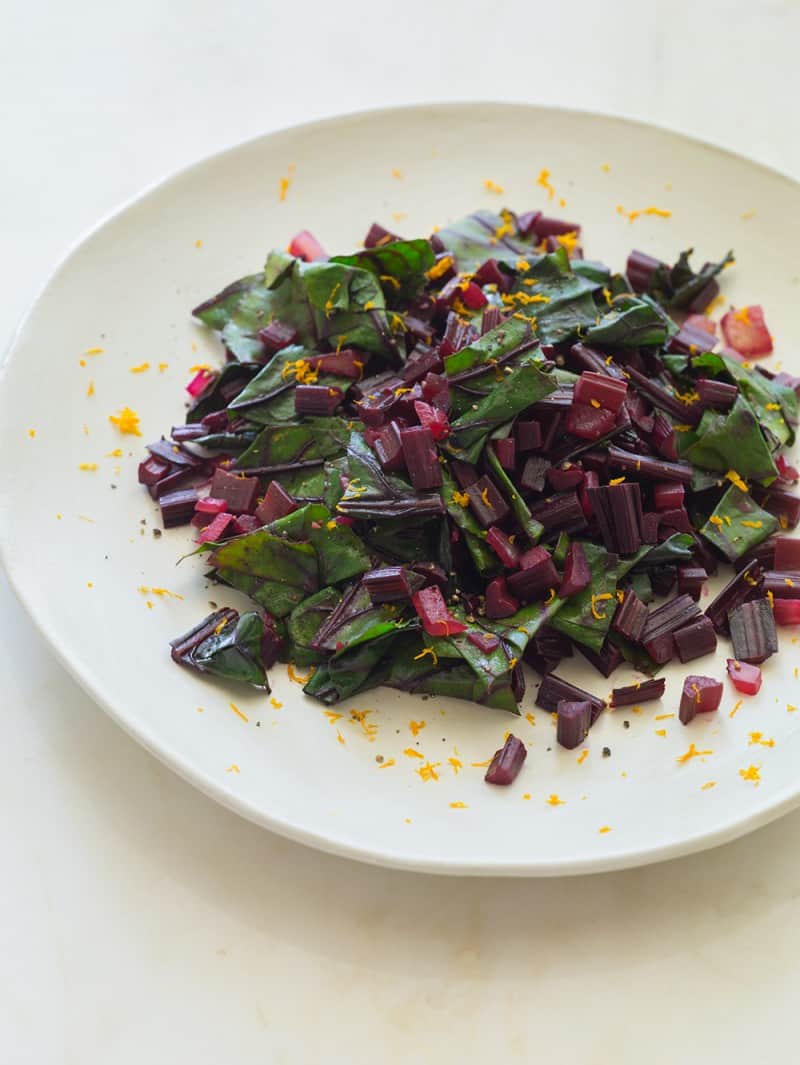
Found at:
<point>142,923</point>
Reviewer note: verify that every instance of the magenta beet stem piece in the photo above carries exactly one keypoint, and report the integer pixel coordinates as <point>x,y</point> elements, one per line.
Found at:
<point>277,503</point>
<point>746,677</point>
<point>387,585</point>
<point>500,603</point>
<point>630,617</point>
<point>277,335</point>
<point>786,612</point>
<point>238,491</point>
<point>528,435</point>
<point>389,448</point>
<point>506,451</point>
<point>486,502</point>
<point>484,641</point>
<point>507,762</point>
<point>421,457</point>
<point>781,585</point>
<point>695,640</point>
<point>787,554</point>
<point>600,390</point>
<point>317,400</point>
<point>588,422</point>
<point>573,721</point>
<point>433,613</point>
<point>564,477</point>
<point>668,495</point>
<point>653,468</point>
<point>536,577</point>
<point>577,574</point>
<point>739,588</point>
<point>217,528</point>
<point>716,394</point>
<point>691,580</point>
<point>618,510</point>
<point>753,632</point>
<point>500,543</point>
<point>633,694</point>
<point>701,695</point>
<point>606,660</point>
<point>304,245</point>
<point>553,690</point>
<point>640,268</point>
<point>177,508</point>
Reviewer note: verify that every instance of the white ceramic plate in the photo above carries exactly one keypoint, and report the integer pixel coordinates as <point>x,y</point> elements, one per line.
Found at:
<point>78,544</point>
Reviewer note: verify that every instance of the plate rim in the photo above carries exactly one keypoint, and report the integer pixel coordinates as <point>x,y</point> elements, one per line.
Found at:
<point>784,800</point>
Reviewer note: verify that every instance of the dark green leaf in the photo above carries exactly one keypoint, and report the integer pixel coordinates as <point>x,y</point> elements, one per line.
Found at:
<point>523,387</point>
<point>234,652</point>
<point>328,301</point>
<point>726,530</point>
<point>288,447</point>
<point>632,322</point>
<point>472,240</point>
<point>305,620</point>
<point>570,308</point>
<point>268,399</point>
<point>733,441</point>
<point>532,528</point>
<point>676,286</point>
<point>486,562</point>
<point>400,267</point>
<point>278,572</point>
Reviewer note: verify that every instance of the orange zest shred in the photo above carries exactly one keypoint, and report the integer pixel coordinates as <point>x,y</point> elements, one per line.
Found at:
<point>276,703</point>
<point>299,678</point>
<point>691,753</point>
<point>90,389</point>
<point>458,806</point>
<point>233,768</point>
<point>554,800</point>
<point>427,651</point>
<point>661,732</point>
<point>709,784</point>
<point>616,480</point>
<point>456,764</point>
<point>88,466</point>
<point>604,829</point>
<point>440,268</point>
<point>583,756</point>
<point>127,421</point>
<point>332,716</point>
<point>757,740</point>
<point>544,180</point>
<point>751,773</point>
<point>416,727</point>
<point>492,186</point>
<point>340,738</point>
<point>604,596</point>
<point>143,367</point>
<point>734,478</point>
<point>238,712</point>
<point>736,708</point>
<point>481,765</point>
<point>283,188</point>
<point>428,771</point>
<point>386,765</point>
<point>409,752</point>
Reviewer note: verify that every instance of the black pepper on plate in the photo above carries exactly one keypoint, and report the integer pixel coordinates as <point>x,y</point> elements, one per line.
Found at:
<point>606,752</point>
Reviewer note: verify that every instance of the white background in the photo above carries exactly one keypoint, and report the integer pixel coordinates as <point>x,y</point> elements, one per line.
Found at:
<point>138,921</point>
